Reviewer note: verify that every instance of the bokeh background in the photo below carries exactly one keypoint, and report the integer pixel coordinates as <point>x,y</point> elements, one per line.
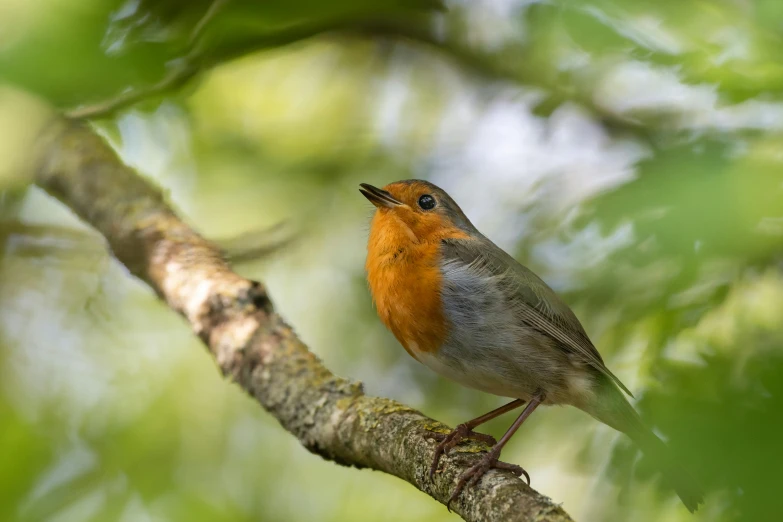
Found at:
<point>628,151</point>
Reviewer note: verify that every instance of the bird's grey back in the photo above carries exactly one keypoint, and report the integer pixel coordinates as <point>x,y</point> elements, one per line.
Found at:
<point>509,302</point>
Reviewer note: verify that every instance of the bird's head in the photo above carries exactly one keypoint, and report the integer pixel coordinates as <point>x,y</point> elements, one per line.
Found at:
<point>417,210</point>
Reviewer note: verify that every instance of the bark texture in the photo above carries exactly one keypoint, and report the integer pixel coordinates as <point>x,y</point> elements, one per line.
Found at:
<point>252,345</point>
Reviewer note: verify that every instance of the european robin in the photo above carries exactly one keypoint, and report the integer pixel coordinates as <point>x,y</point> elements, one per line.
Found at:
<point>469,311</point>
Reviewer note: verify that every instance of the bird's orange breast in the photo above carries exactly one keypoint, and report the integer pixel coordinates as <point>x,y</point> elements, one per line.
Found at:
<point>405,279</point>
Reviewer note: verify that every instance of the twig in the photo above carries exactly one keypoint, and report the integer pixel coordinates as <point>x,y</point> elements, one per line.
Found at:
<point>197,61</point>
<point>214,8</point>
<point>178,76</point>
<point>486,66</point>
<point>257,244</point>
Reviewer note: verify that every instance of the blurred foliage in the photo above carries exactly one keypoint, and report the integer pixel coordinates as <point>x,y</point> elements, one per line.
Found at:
<point>628,151</point>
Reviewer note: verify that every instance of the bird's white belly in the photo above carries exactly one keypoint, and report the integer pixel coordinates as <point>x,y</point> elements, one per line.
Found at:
<point>475,376</point>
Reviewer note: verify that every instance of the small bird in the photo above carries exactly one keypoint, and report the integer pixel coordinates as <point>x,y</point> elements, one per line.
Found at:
<point>469,311</point>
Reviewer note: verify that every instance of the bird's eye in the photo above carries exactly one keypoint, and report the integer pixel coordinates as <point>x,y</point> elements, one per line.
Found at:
<point>427,202</point>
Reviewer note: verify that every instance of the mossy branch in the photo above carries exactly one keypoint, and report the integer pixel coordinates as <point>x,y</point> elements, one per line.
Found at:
<point>251,343</point>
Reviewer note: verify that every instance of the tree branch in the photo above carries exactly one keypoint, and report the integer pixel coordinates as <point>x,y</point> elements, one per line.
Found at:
<point>416,31</point>
<point>252,345</point>
<point>497,69</point>
<point>198,60</point>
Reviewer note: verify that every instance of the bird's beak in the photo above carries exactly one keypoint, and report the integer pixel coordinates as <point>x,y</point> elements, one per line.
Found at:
<point>379,198</point>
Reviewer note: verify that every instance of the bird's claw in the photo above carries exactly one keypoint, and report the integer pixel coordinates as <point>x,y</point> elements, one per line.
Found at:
<point>451,439</point>
<point>489,461</point>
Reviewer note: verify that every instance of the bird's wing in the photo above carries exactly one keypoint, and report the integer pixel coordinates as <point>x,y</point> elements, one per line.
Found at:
<point>536,304</point>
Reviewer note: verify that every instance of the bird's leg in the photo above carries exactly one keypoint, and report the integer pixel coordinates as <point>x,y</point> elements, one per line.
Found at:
<point>490,460</point>
<point>465,431</point>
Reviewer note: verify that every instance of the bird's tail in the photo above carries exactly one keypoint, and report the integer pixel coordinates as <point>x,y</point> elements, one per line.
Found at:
<point>619,414</point>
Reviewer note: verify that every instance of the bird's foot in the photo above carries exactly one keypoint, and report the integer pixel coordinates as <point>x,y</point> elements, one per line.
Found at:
<point>474,474</point>
<point>449,440</point>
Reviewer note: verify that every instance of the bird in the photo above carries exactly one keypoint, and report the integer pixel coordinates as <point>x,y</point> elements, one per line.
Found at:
<point>472,313</point>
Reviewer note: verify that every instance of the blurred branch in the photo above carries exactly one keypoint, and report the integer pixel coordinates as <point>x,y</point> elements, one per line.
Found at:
<point>417,30</point>
<point>34,240</point>
<point>179,75</point>
<point>200,60</point>
<point>496,68</point>
<point>214,9</point>
<point>257,244</point>
<point>251,344</point>
<point>30,239</point>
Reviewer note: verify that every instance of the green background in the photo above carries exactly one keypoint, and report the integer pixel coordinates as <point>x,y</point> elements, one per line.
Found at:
<point>628,151</point>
